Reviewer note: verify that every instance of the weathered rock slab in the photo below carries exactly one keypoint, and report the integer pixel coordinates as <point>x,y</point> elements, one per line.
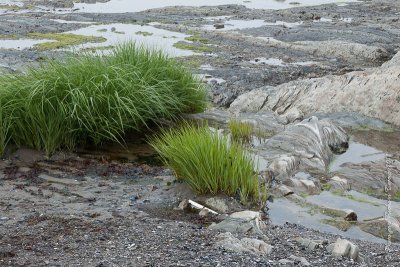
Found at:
<point>241,222</point>
<point>383,228</point>
<point>378,87</point>
<point>302,146</point>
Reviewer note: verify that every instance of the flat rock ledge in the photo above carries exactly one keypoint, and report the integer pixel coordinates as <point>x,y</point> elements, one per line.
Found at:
<point>374,93</point>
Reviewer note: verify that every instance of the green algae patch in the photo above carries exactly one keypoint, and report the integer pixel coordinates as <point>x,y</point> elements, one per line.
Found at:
<point>14,7</point>
<point>396,196</point>
<point>339,224</point>
<point>197,38</point>
<point>62,40</point>
<point>9,37</point>
<point>193,47</point>
<point>144,33</point>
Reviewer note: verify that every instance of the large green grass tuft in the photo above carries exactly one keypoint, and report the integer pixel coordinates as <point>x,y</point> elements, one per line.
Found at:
<point>208,163</point>
<point>92,98</point>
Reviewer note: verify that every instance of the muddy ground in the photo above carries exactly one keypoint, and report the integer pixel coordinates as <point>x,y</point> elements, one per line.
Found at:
<point>110,207</point>
<point>72,211</point>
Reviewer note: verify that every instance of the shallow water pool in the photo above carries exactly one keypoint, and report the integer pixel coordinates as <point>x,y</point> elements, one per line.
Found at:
<point>148,36</point>
<point>356,153</point>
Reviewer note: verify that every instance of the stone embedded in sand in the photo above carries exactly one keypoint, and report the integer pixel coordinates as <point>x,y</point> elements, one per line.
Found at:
<point>252,245</point>
<point>299,260</point>
<point>286,263</point>
<point>344,248</point>
<point>204,213</point>
<point>241,222</point>
<point>217,204</point>
<point>246,215</point>
<point>307,243</point>
<point>184,204</point>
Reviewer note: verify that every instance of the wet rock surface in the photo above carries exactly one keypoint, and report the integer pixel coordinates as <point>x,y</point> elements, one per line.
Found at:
<point>349,92</point>
<point>302,146</point>
<point>309,79</point>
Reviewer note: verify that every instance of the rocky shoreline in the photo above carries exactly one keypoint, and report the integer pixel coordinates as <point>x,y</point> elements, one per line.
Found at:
<point>320,85</point>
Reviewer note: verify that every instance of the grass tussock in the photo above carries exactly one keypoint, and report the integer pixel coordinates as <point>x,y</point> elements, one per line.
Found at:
<point>89,98</point>
<point>208,163</point>
<point>240,131</point>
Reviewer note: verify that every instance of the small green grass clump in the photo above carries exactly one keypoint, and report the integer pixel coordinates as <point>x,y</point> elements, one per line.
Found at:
<point>208,163</point>
<point>90,98</point>
<point>240,131</point>
<point>64,40</point>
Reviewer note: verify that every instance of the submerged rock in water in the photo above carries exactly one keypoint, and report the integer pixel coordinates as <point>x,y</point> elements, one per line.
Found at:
<point>382,228</point>
<point>304,186</point>
<point>339,184</point>
<point>372,176</point>
<point>305,145</point>
<point>264,122</point>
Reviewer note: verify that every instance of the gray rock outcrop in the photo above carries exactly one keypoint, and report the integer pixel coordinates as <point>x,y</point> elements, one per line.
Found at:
<point>374,92</point>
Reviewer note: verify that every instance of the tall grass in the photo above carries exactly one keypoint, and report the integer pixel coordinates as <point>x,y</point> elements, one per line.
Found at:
<point>240,131</point>
<point>92,98</point>
<point>5,123</point>
<point>208,163</point>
